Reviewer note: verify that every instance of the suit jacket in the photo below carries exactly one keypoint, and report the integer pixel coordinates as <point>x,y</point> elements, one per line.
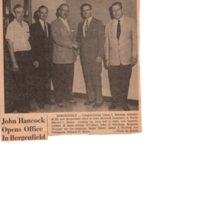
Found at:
<point>92,45</point>
<point>63,52</point>
<point>124,50</point>
<point>41,45</point>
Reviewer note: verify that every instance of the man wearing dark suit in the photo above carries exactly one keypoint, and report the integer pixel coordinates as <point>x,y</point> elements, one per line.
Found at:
<point>90,37</point>
<point>41,42</point>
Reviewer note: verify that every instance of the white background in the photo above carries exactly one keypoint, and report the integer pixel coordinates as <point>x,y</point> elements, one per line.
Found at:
<point>162,163</point>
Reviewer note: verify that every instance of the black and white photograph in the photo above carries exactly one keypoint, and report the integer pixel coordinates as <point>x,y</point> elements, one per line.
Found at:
<point>70,56</point>
<point>71,72</point>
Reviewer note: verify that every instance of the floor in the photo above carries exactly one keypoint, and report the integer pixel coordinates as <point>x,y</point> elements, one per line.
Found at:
<point>78,107</point>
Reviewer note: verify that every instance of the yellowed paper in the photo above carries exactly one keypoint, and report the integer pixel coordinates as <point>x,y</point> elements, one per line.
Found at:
<point>62,117</point>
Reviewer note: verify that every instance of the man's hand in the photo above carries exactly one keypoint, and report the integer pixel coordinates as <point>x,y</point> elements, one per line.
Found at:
<point>76,55</point>
<point>134,61</point>
<point>107,64</point>
<point>99,59</point>
<point>36,64</point>
<point>75,45</point>
<point>15,67</point>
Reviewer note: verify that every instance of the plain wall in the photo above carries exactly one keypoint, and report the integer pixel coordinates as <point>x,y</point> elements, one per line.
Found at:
<point>100,11</point>
<point>14,2</point>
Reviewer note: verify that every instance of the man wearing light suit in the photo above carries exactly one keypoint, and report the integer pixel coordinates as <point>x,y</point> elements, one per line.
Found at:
<point>64,56</point>
<point>91,38</point>
<point>120,54</point>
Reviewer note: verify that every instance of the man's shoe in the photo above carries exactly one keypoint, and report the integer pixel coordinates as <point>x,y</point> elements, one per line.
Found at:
<point>87,103</point>
<point>97,105</point>
<point>50,102</point>
<point>41,106</point>
<point>28,108</point>
<point>32,108</point>
<point>25,110</point>
<point>61,105</point>
<point>125,108</point>
<point>112,107</point>
<point>72,101</point>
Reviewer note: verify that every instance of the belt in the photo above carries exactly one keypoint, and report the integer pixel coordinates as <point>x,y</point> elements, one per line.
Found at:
<point>22,53</point>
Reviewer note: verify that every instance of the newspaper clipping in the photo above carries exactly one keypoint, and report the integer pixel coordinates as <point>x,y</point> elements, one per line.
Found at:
<point>69,67</point>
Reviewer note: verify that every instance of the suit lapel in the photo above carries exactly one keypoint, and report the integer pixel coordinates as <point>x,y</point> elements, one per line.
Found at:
<point>90,27</point>
<point>82,24</point>
<point>64,26</point>
<point>49,28</point>
<point>113,29</point>
<point>42,30</point>
<point>40,27</point>
<point>91,24</point>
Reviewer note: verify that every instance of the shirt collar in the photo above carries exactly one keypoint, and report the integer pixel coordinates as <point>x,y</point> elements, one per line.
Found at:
<point>42,22</point>
<point>63,20</point>
<point>89,19</point>
<point>121,19</point>
<point>18,22</point>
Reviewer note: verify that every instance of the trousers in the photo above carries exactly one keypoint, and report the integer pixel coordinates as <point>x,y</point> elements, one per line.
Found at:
<point>23,80</point>
<point>62,77</point>
<point>119,78</point>
<point>92,76</point>
<point>43,82</point>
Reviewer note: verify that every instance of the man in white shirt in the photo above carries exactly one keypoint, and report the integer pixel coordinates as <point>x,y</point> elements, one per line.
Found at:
<point>120,54</point>
<point>17,36</point>
<point>41,42</point>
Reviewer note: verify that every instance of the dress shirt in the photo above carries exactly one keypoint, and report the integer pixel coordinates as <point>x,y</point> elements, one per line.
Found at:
<point>43,23</point>
<point>19,34</point>
<point>87,21</point>
<point>116,21</point>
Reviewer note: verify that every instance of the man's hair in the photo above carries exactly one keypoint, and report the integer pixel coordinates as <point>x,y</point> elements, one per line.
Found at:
<point>84,5</point>
<point>17,6</point>
<point>57,12</point>
<point>63,4</point>
<point>43,7</point>
<point>115,4</point>
<point>36,16</point>
<point>59,8</point>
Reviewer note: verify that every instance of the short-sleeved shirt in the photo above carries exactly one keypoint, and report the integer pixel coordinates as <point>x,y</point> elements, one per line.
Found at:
<point>19,35</point>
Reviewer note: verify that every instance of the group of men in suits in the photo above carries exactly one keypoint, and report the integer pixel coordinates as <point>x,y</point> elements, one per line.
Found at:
<point>48,52</point>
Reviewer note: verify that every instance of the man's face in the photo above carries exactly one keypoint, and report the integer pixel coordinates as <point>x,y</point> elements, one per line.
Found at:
<point>19,14</point>
<point>86,12</point>
<point>43,13</point>
<point>64,12</point>
<point>117,11</point>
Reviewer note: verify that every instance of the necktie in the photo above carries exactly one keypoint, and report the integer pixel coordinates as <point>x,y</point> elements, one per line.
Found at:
<point>86,26</point>
<point>45,30</point>
<point>118,29</point>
